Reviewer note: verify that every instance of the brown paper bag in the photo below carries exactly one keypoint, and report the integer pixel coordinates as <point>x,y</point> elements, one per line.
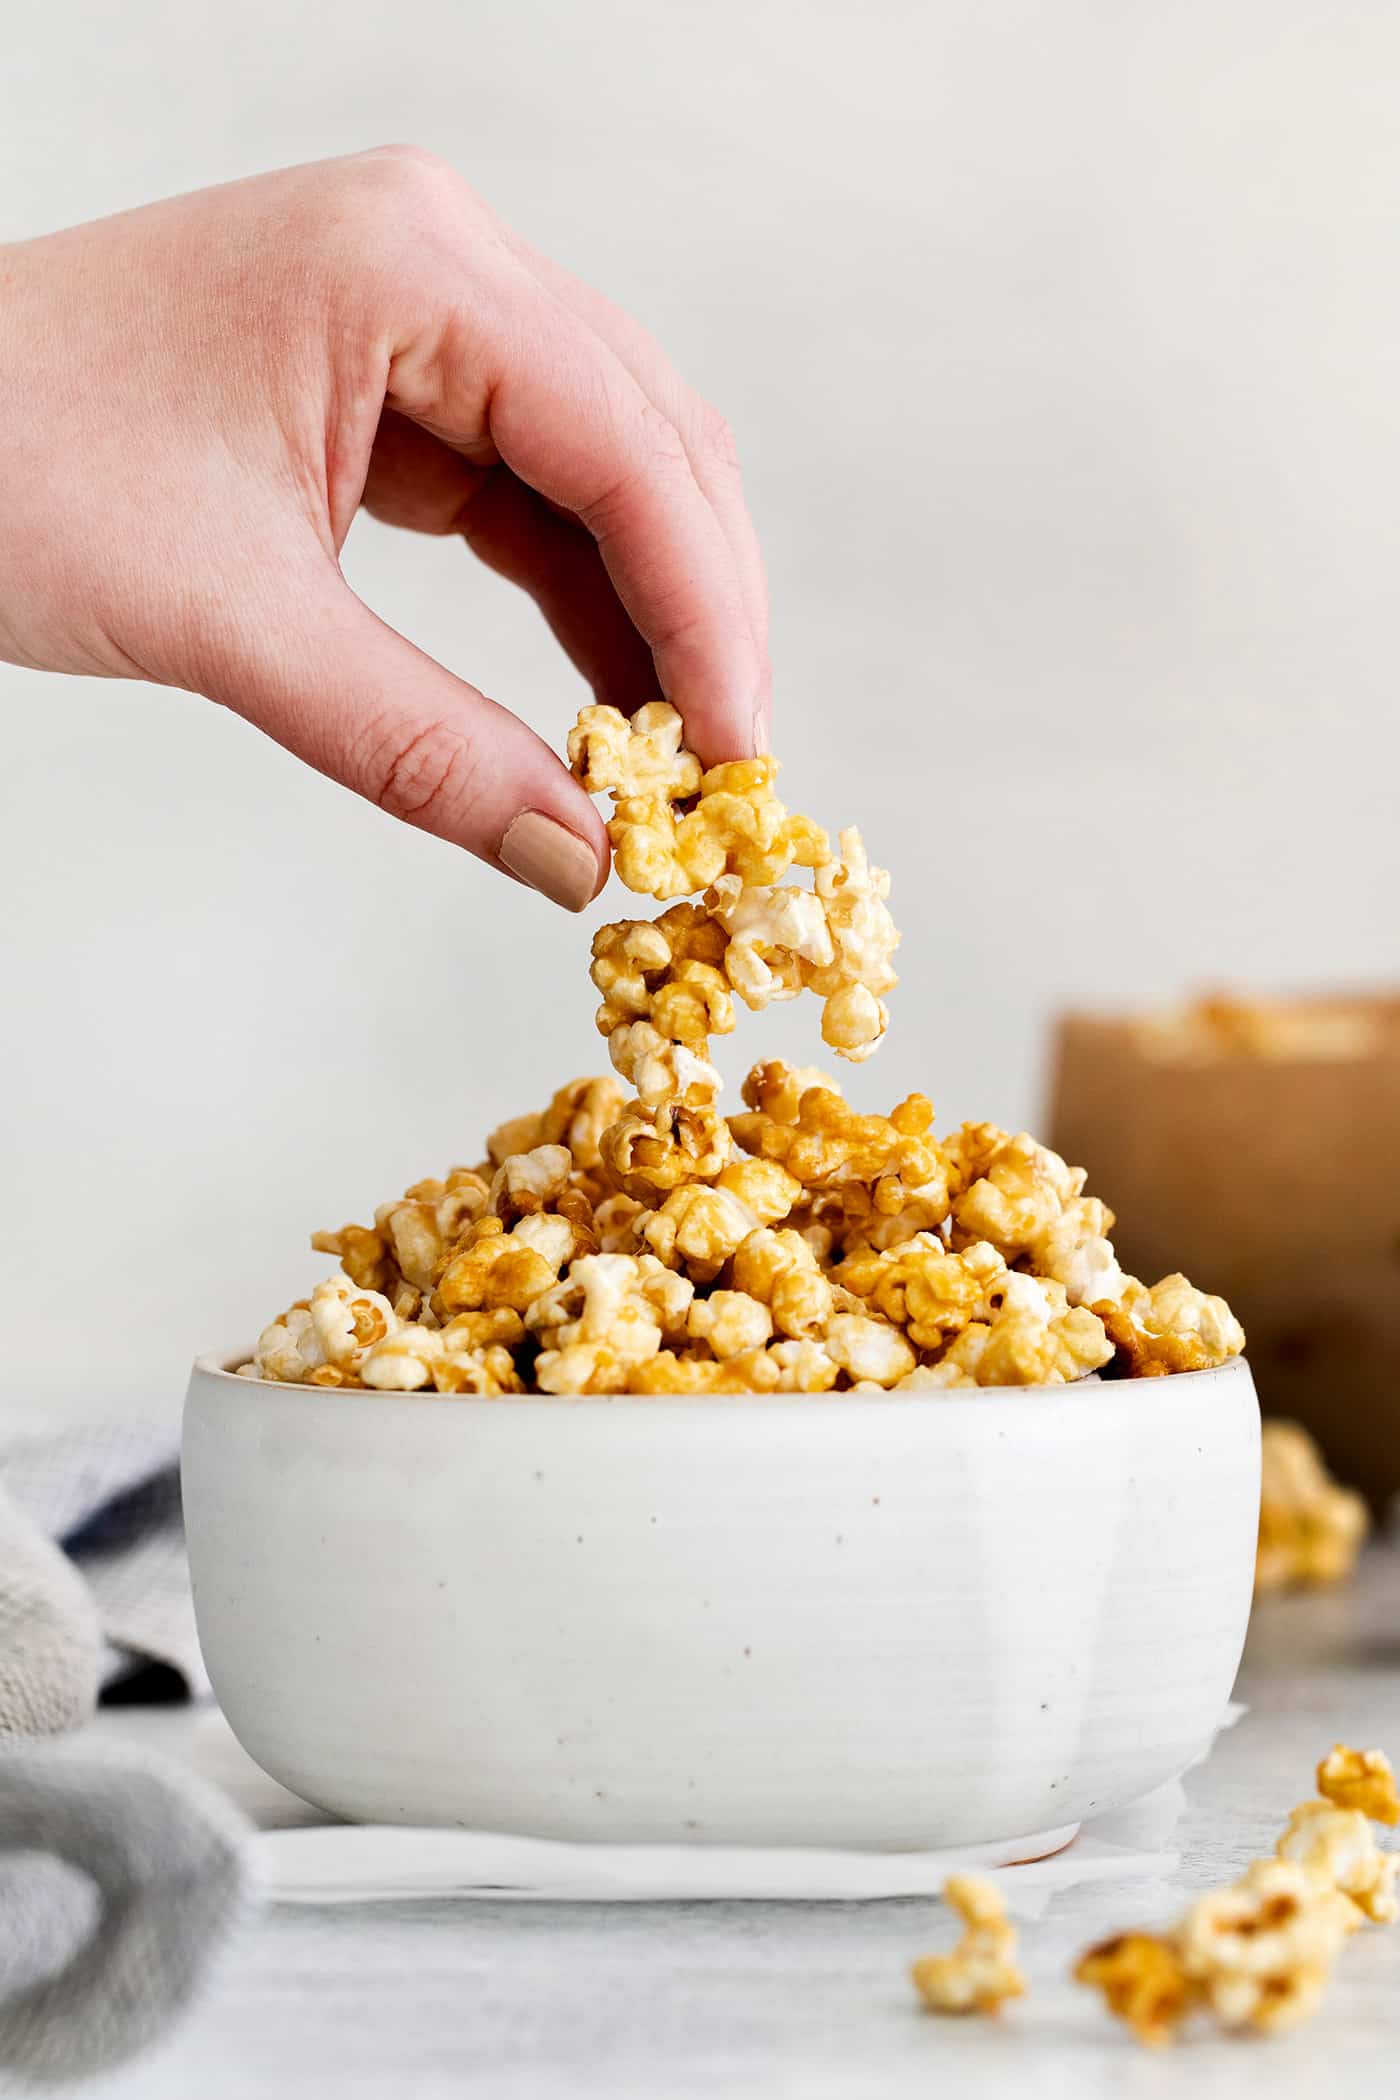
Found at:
<point>1258,1149</point>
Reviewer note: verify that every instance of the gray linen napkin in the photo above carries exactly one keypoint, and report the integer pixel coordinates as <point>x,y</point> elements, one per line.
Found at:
<point>157,1856</point>
<point>49,1640</point>
<point>119,1875</point>
<point>108,1493</point>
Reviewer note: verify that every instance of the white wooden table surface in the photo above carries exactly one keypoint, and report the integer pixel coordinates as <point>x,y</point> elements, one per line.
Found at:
<point>409,2001</point>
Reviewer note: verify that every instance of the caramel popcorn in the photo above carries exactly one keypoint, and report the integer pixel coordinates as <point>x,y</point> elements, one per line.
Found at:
<point>631,1238</point>
<point>1360,1779</point>
<point>1310,1529</point>
<point>780,1270</point>
<point>981,1973</point>
<point>1337,1849</point>
<point>1261,1949</point>
<point>1144,1982</point>
<point>1019,1194</point>
<point>1258,1953</point>
<point>733,1323</point>
<point>671,1372</point>
<point>640,758</point>
<point>1171,1327</point>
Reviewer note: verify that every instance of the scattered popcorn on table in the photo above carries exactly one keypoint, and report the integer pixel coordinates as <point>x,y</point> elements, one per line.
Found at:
<point>1258,1953</point>
<point>1336,1848</point>
<point>646,1243</point>
<point>1260,1950</point>
<point>1310,1529</point>
<point>1363,1779</point>
<point>1144,1982</point>
<point>981,1973</point>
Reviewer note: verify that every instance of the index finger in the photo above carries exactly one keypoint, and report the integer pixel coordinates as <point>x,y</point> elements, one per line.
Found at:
<point>566,416</point>
<point>708,441</point>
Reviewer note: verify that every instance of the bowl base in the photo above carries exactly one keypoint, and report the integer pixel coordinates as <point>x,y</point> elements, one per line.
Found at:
<point>1041,1844</point>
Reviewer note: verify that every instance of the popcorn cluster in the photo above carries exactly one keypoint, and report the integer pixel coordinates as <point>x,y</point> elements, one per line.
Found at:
<point>1258,1953</point>
<point>1255,1955</point>
<point>643,1242</point>
<point>981,1973</point>
<point>1310,1529</point>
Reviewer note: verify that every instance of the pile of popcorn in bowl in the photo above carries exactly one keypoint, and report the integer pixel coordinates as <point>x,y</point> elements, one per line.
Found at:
<point>642,1242</point>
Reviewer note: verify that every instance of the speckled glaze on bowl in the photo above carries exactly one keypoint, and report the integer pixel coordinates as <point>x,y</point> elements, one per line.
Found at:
<point>891,1622</point>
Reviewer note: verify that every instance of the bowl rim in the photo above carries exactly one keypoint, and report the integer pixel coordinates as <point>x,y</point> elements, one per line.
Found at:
<point>1084,1392</point>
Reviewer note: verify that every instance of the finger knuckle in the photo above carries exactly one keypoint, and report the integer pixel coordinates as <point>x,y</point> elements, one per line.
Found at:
<point>408,180</point>
<point>427,778</point>
<point>649,457</point>
<point>717,437</point>
<point>663,444</point>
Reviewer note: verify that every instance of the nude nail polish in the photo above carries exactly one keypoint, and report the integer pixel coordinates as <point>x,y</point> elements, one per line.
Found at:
<point>551,858</point>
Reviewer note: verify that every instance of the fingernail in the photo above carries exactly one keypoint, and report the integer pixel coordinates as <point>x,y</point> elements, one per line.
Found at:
<point>551,858</point>
<point>760,729</point>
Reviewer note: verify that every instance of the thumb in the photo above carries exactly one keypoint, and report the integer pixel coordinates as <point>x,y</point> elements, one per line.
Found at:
<point>333,683</point>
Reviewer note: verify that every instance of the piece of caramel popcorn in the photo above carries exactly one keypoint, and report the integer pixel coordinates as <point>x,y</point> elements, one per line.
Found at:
<point>827,1142</point>
<point>775,1089</point>
<point>288,1348</point>
<point>578,1115</point>
<point>1261,1949</point>
<point>1310,1529</point>
<point>928,1291</point>
<point>403,1362</point>
<point>731,1323</point>
<point>347,1322</point>
<point>870,1352</point>
<point>1020,1193</point>
<point>1338,1849</point>
<point>363,1254</point>
<point>1144,1982</point>
<point>1171,1326</point>
<point>650,1152</point>
<point>780,1270</point>
<point>1037,1338</point>
<point>1074,1249</point>
<point>607,1317</point>
<point>1360,1779</point>
<point>771,932</point>
<point>498,1268</point>
<point>489,1373</point>
<point>527,1182</point>
<point>701,1228</point>
<point>670,1372</point>
<point>641,757</point>
<point>981,1973</point>
<point>803,1367</point>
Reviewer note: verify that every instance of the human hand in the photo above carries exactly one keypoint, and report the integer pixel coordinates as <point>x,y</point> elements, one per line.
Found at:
<point>201,393</point>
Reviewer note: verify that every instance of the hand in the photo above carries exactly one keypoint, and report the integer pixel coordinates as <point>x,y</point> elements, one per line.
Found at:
<point>196,398</point>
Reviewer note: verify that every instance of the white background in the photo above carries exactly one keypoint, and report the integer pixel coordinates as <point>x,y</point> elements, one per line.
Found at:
<point>1061,345</point>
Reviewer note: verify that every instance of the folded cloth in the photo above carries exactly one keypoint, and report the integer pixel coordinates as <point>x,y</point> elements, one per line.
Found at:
<point>118,1875</point>
<point>108,1493</point>
<point>49,1641</point>
<point>156,1854</point>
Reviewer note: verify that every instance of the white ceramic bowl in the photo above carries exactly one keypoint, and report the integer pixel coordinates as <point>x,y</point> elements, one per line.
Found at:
<point>846,1621</point>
